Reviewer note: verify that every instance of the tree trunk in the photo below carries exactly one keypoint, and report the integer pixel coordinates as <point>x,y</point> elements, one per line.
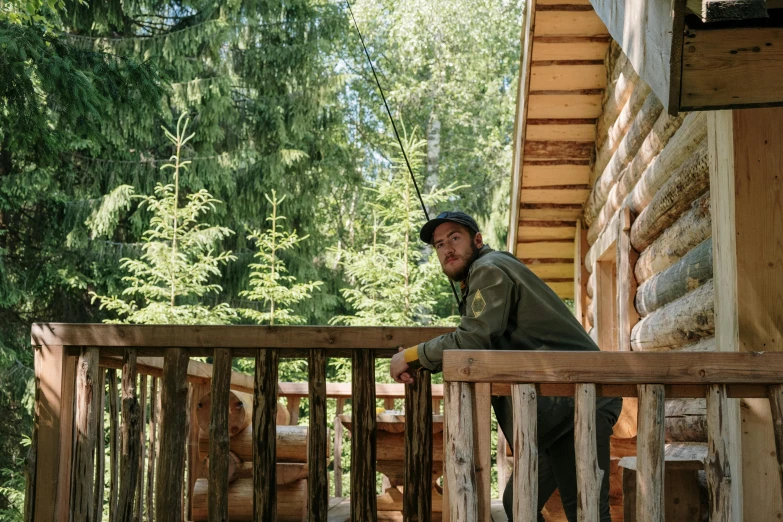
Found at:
<point>681,322</point>
<point>687,140</point>
<point>291,501</point>
<point>689,273</point>
<point>685,234</point>
<point>689,182</point>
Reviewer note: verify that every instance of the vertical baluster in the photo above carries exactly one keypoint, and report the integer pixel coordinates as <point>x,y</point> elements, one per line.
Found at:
<point>776,405</point>
<point>142,445</point>
<point>650,449</point>
<point>417,500</point>
<point>482,413</point>
<point>338,449</point>
<point>129,455</point>
<point>500,460</point>
<point>218,436</point>
<point>459,452</point>
<point>318,485</point>
<point>363,500</point>
<point>87,400</point>
<point>588,474</point>
<point>114,446</point>
<point>718,466</point>
<point>195,393</point>
<point>173,434</point>
<point>525,439</point>
<point>153,426</point>
<point>264,437</point>
<point>100,450</point>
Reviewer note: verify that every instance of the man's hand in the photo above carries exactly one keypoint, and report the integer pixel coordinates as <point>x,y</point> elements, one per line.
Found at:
<point>399,368</point>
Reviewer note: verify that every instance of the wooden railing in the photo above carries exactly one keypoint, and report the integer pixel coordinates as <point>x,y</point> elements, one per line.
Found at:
<point>69,359</point>
<point>652,377</point>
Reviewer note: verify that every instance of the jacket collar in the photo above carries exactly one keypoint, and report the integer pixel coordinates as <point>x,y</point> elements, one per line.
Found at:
<point>464,286</point>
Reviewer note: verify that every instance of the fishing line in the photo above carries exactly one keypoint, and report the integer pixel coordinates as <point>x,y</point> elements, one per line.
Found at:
<point>394,126</point>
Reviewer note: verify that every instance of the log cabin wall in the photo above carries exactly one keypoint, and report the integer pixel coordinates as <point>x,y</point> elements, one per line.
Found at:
<point>648,256</point>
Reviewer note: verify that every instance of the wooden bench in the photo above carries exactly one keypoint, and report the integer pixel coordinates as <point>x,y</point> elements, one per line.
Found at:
<point>682,493</point>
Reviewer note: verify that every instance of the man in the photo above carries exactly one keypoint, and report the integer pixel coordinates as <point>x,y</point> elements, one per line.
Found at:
<point>504,306</point>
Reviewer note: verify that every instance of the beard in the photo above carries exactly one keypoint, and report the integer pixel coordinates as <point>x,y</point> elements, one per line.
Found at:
<point>460,273</point>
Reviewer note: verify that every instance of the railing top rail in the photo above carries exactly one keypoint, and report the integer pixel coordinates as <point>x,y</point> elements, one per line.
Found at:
<point>547,367</point>
<point>244,339</point>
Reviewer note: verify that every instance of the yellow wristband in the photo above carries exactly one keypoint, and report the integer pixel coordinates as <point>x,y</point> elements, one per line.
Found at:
<point>411,354</point>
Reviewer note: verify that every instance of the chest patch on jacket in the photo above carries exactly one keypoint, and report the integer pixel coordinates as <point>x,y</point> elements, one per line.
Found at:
<point>478,304</point>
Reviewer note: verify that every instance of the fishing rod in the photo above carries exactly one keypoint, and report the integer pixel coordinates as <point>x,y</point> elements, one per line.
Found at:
<point>394,126</point>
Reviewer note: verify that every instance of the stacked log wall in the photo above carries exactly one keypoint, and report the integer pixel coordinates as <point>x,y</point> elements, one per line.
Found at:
<point>655,165</point>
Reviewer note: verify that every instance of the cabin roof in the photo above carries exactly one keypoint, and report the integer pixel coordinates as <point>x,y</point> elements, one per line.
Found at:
<point>561,85</point>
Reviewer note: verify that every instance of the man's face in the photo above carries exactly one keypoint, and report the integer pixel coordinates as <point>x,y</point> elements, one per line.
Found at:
<point>456,251</point>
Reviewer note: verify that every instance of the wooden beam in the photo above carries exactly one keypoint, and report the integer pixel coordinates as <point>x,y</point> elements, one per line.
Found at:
<point>246,340</point>
<point>588,474</point>
<point>562,194</point>
<point>520,122</point>
<point>567,77</point>
<point>564,132</point>
<point>577,150</point>
<point>564,106</point>
<point>549,211</point>
<point>534,175</point>
<point>573,23</point>
<point>732,67</point>
<point>544,231</point>
<point>711,11</point>
<point>719,469</point>
<point>650,33</point>
<point>363,435</point>
<point>555,250</point>
<point>602,367</point>
<point>552,270</point>
<point>318,439</point>
<point>650,445</point>
<point>459,453</point>
<point>585,50</point>
<point>417,493</point>
<point>264,445</point>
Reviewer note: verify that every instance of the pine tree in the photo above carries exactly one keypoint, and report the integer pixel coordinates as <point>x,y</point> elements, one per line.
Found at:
<point>396,282</point>
<point>172,277</point>
<point>270,283</point>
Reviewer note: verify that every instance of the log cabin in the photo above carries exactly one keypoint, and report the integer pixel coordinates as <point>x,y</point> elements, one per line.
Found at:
<point>646,187</point>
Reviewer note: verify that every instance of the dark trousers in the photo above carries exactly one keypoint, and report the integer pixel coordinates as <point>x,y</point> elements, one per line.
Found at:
<point>557,463</point>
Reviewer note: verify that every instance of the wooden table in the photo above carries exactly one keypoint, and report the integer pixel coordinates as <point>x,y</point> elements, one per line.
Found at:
<point>390,458</point>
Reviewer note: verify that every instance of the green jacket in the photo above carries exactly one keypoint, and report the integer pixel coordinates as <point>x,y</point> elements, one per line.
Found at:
<point>505,306</point>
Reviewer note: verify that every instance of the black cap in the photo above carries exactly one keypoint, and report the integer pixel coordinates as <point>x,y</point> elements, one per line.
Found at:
<point>455,217</point>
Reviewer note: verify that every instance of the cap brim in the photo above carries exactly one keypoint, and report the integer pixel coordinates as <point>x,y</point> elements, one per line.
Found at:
<point>429,228</point>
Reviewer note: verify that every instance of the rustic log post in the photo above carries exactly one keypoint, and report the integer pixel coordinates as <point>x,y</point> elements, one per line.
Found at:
<point>129,438</point>
<point>114,446</point>
<point>338,449</point>
<point>317,451</point>
<point>142,444</point>
<point>500,459</point>
<point>363,452</point>
<point>173,435</point>
<point>86,411</point>
<point>525,437</point>
<point>265,441</point>
<point>417,494</point>
<point>293,409</point>
<point>627,316</point>
<point>588,474</point>
<point>218,437</point>
<point>482,412</point>
<point>459,453</point>
<point>719,473</point>
<point>650,449</point>
<point>776,405</point>
<point>153,424</point>
<point>100,449</point>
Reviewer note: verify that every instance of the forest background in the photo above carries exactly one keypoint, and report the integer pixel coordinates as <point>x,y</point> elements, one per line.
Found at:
<point>281,103</point>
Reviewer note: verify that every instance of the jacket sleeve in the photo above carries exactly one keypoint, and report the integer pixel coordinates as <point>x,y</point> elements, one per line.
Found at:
<point>486,316</point>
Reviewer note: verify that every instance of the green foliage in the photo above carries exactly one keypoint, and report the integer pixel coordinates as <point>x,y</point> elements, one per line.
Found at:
<point>394,281</point>
<point>269,282</point>
<point>173,276</point>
